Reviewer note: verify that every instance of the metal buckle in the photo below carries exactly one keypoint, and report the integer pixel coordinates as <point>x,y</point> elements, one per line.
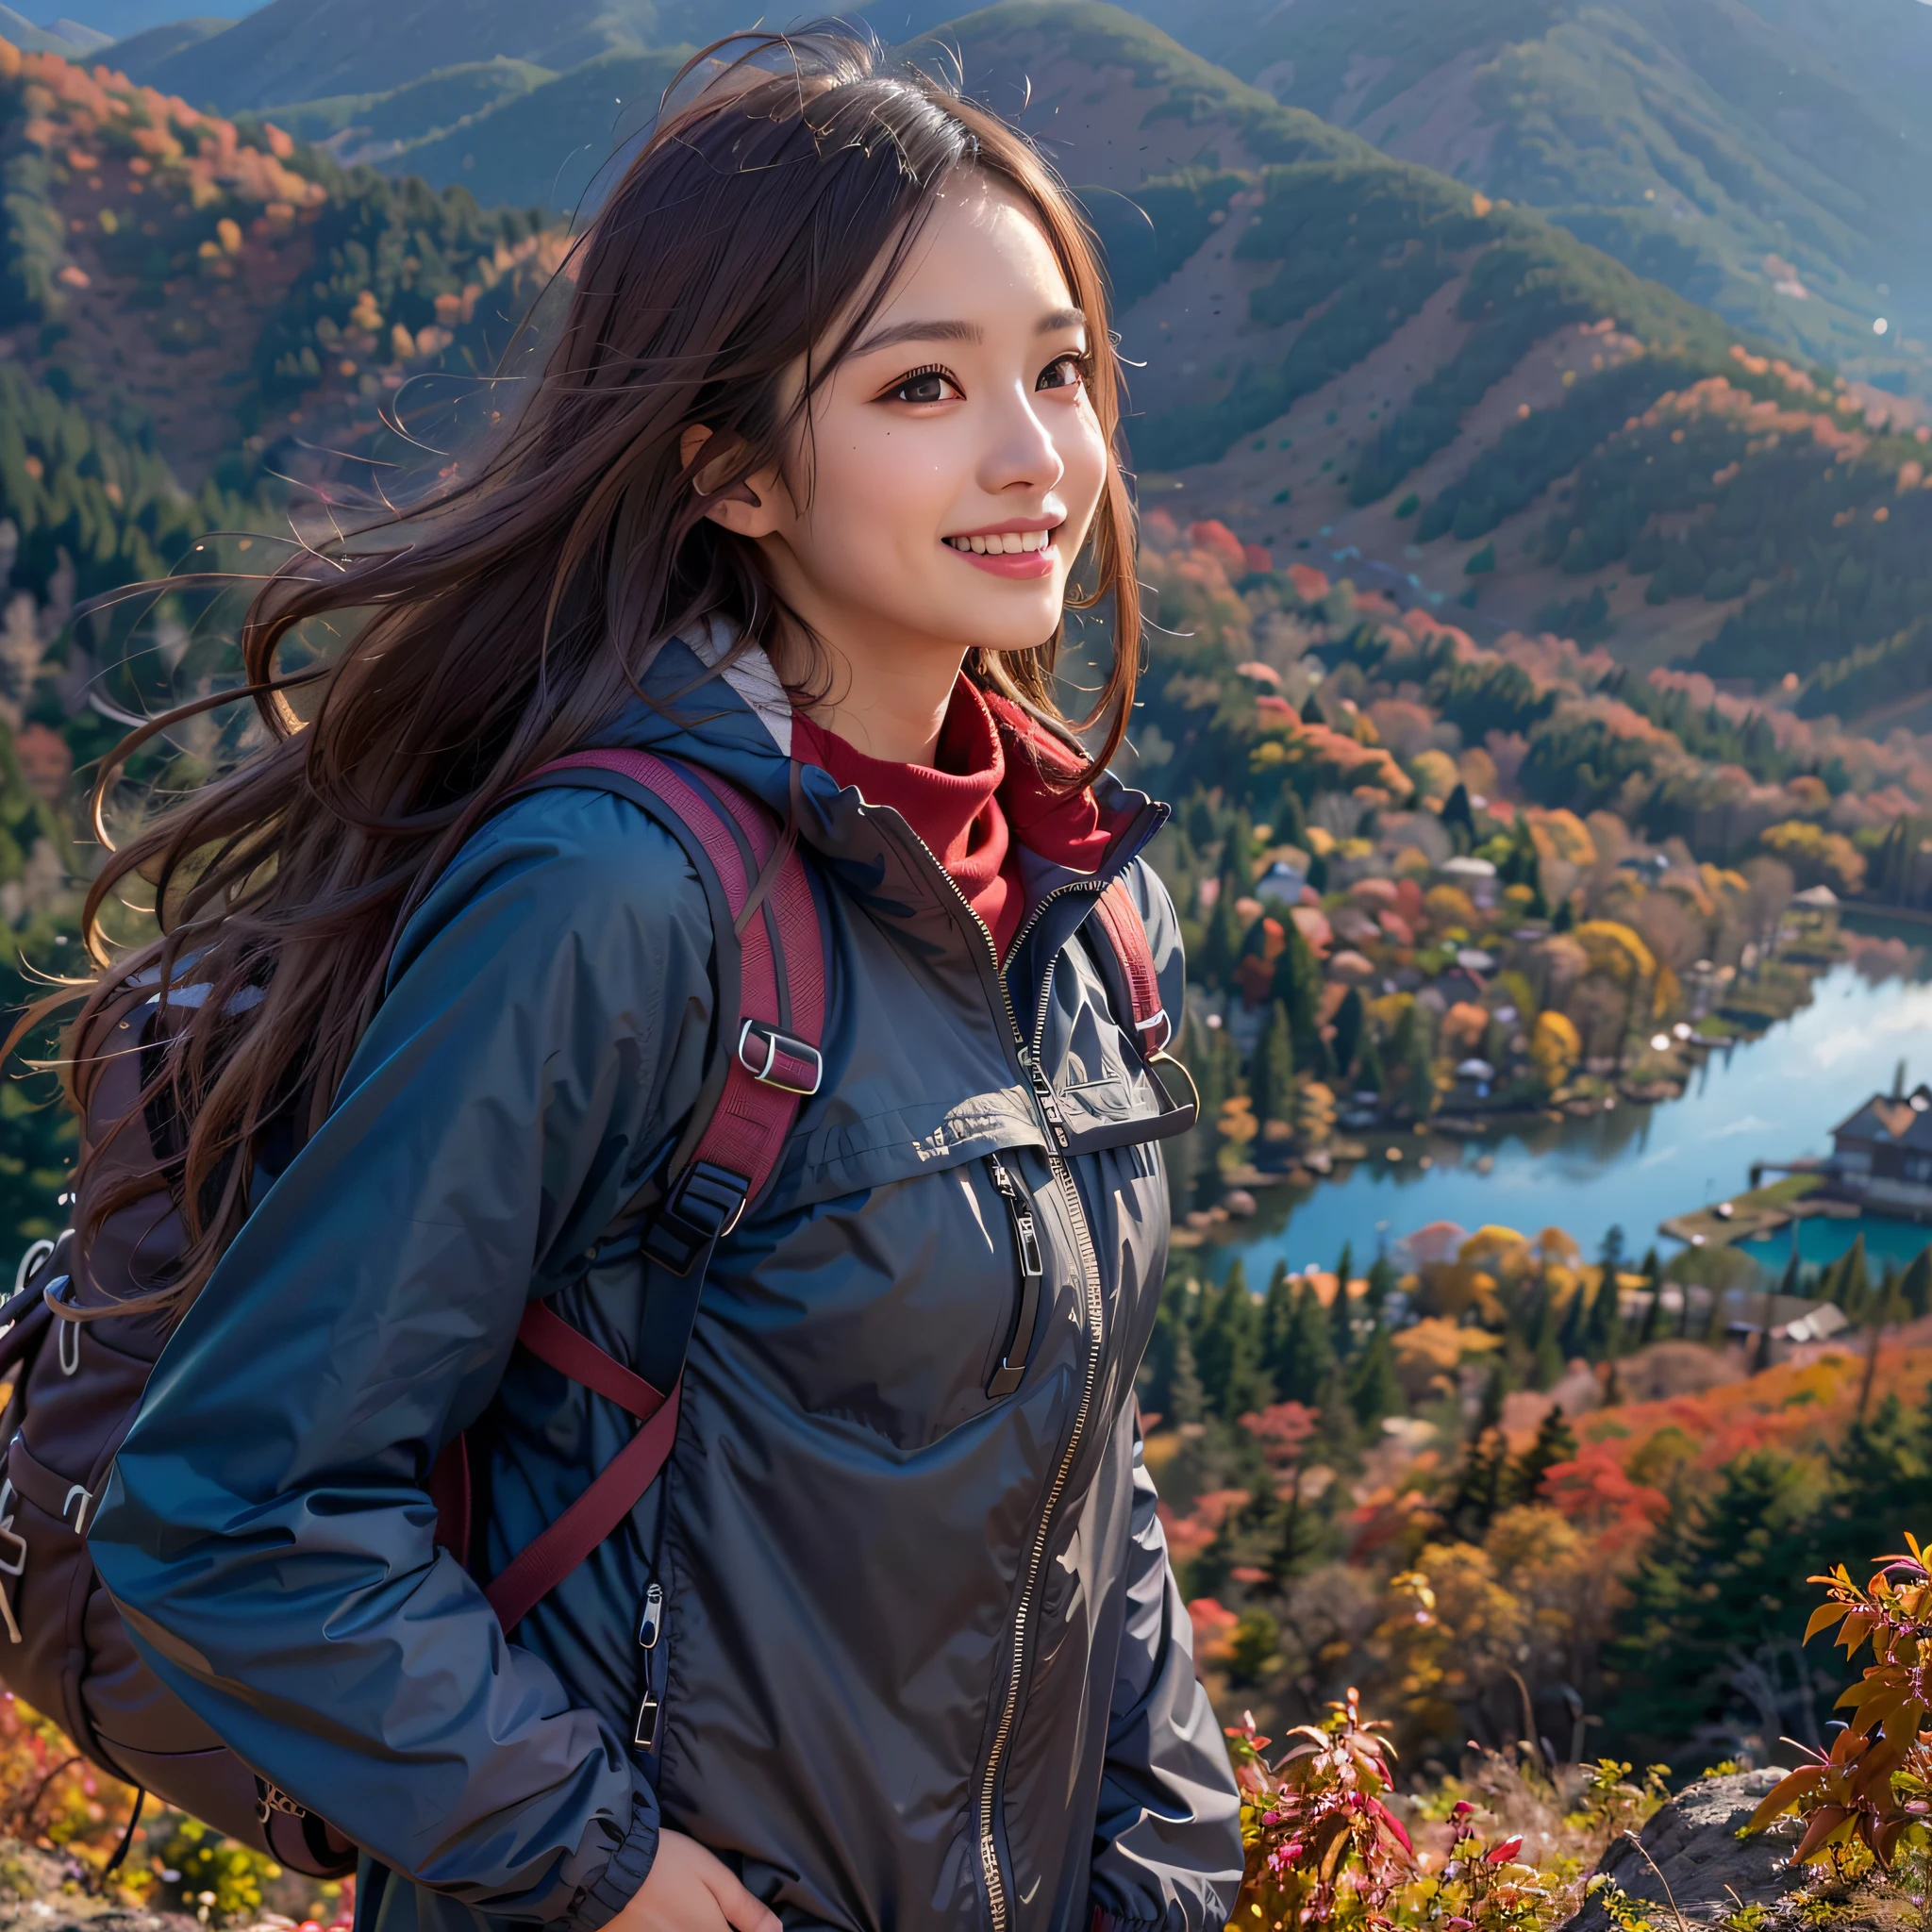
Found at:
<point>702,1209</point>
<point>774,1042</point>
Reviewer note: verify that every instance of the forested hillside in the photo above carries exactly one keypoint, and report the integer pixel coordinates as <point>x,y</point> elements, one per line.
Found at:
<point>1455,398</point>
<point>1759,159</point>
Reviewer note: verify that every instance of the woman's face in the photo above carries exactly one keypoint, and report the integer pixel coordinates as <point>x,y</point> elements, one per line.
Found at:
<point>954,463</point>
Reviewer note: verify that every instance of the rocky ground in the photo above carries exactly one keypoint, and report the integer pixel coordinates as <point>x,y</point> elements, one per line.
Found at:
<point>1689,1868</point>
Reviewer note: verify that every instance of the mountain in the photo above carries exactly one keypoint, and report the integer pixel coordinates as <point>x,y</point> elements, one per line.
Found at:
<point>305,51</point>
<point>1769,158</point>
<point>1455,400</point>
<point>120,20</point>
<point>1345,358</point>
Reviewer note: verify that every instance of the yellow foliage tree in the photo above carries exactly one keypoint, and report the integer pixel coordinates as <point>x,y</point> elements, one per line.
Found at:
<point>1554,1049</point>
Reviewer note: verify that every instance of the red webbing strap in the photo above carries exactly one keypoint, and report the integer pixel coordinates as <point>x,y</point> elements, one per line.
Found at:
<point>541,1566</point>
<point>572,1352</point>
<point>766,1081</point>
<point>1126,933</point>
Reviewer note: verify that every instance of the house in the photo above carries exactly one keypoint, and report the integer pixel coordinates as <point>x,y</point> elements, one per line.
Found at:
<point>1882,1153</point>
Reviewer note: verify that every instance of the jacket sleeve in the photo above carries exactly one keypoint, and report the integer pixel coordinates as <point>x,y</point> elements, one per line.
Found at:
<point>1168,1842</point>
<point>266,1531</point>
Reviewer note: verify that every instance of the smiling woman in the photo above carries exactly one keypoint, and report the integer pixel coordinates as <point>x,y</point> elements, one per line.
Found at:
<point>995,458</point>
<point>446,1020</point>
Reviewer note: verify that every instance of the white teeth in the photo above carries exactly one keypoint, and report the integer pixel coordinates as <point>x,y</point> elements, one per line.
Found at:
<point>1011,543</point>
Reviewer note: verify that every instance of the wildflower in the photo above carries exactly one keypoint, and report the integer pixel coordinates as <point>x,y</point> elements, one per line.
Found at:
<point>1502,1854</point>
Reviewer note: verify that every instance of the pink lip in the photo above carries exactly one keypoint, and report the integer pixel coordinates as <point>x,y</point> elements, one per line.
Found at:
<point>1027,563</point>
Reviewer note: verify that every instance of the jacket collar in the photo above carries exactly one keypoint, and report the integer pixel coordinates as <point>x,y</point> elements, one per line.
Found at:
<point>737,724</point>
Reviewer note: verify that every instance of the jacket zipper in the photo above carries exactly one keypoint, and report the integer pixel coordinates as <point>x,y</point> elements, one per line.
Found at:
<point>1047,1105</point>
<point>650,1625</point>
<point>1011,1371</point>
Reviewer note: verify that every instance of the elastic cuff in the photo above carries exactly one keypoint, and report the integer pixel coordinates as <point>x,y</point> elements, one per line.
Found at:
<point>629,1867</point>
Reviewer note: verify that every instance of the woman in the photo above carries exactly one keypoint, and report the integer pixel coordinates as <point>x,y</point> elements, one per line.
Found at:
<point>796,500</point>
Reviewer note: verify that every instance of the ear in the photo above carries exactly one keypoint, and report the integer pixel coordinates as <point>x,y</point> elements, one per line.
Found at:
<point>752,508</point>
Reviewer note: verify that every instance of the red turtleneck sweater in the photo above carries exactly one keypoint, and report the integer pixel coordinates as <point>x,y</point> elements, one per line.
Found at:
<point>981,799</point>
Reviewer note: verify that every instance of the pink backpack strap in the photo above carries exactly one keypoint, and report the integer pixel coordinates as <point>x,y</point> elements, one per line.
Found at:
<point>773,1040</point>
<point>1126,933</point>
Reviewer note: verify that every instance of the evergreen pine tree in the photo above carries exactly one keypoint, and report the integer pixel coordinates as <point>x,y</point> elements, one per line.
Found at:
<point>1350,1018</point>
<point>1603,1332</point>
<point>1277,1330</point>
<point>1555,1442</point>
<point>1374,1391</point>
<point>1229,1350</point>
<point>1915,1284</point>
<point>1478,1494</point>
<point>1371,1076</point>
<point>1221,945</point>
<point>1297,984</point>
<point>1653,1306</point>
<point>1489,1413</point>
<point>1565,919</point>
<point>1308,1355</point>
<point>1727,1578</point>
<point>1187,1401</point>
<point>1383,1281</point>
<point>1881,1473</point>
<point>1854,1284</point>
<point>1340,1436</point>
<point>1547,1359</point>
<point>1341,1322</point>
<point>1271,1071</point>
<point>1458,817</point>
<point>1610,1255</point>
<point>1570,1337</point>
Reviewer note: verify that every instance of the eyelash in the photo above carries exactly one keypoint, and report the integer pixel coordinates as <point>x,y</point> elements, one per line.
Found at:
<point>1081,360</point>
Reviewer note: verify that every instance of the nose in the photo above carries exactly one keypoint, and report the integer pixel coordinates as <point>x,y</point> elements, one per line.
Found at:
<point>1020,455</point>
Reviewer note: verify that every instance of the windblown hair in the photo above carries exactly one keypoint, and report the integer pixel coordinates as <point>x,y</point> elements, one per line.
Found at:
<point>506,619</point>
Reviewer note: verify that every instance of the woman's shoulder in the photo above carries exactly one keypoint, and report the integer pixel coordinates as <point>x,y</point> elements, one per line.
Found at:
<point>567,862</point>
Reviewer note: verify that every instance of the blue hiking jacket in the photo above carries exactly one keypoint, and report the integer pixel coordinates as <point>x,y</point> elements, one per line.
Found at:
<point>924,1663</point>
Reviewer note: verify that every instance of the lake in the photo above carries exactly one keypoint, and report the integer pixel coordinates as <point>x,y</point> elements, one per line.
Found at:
<point>1770,1098</point>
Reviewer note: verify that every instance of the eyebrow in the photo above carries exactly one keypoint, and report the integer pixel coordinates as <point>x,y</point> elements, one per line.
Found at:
<point>959,331</point>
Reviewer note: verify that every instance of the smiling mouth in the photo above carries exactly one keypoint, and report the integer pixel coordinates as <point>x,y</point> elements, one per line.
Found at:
<point>1003,543</point>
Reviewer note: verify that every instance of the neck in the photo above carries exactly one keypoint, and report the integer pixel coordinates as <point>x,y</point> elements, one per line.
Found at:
<point>890,704</point>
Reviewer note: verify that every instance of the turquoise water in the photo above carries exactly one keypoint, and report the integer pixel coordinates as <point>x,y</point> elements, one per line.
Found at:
<point>1772,1098</point>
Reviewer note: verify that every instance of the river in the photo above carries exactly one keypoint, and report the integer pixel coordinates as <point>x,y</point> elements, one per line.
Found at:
<point>1770,1098</point>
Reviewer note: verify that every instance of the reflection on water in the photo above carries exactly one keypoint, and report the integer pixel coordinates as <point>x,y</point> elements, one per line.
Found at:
<point>1768,1099</point>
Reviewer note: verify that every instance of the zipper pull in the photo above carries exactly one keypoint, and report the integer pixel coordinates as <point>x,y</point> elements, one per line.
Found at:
<point>1013,1367</point>
<point>1048,1101</point>
<point>1020,1210</point>
<point>650,1625</point>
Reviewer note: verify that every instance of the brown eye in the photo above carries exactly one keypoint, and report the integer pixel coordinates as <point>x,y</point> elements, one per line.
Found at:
<point>1063,372</point>
<point>924,385</point>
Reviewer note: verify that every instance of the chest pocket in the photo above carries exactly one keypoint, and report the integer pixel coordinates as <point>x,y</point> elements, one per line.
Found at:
<point>907,1309</point>
<point>1111,1093</point>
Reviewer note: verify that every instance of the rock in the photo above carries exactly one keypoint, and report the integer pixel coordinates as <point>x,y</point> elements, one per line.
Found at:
<point>1708,1872</point>
<point>1239,1201</point>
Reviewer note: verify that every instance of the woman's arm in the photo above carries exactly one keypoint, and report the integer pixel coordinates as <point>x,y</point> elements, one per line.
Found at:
<point>1167,1843</point>
<point>266,1531</point>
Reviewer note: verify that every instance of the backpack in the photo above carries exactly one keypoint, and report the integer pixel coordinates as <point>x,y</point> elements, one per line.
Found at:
<point>77,1385</point>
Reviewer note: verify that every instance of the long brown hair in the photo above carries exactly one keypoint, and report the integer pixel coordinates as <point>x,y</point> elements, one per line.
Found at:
<point>506,618</point>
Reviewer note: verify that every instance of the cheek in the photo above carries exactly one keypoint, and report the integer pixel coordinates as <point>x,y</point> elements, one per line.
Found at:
<point>879,493</point>
<point>1083,451</point>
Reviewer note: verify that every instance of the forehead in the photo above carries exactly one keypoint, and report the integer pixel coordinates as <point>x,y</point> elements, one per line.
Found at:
<point>982,256</point>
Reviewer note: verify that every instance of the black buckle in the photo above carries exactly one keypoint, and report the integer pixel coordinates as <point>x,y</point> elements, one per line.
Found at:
<point>702,1209</point>
<point>755,1033</point>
